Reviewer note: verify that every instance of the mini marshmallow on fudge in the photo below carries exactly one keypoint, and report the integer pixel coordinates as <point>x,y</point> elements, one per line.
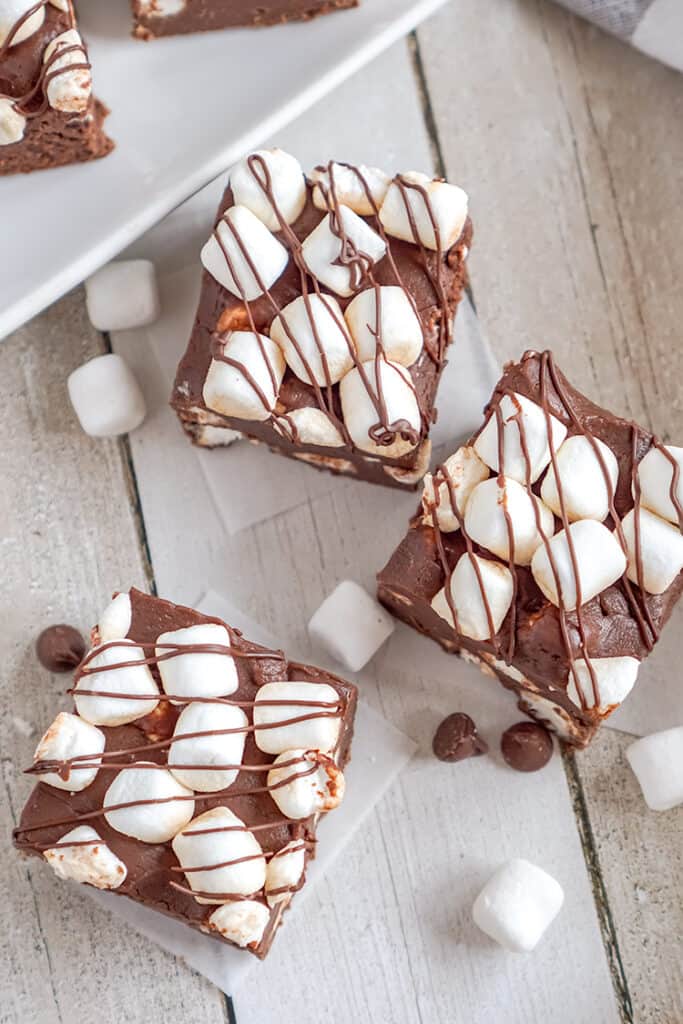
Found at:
<point>243,255</point>
<point>216,738</point>
<point>304,783</point>
<point>68,79</point>
<point>220,856</point>
<point>147,803</point>
<point>285,872</point>
<point>360,188</point>
<point>201,671</point>
<point>324,251</point>
<point>117,669</point>
<point>296,714</point>
<point>271,184</point>
<point>14,11</point>
<point>70,741</point>
<point>82,855</point>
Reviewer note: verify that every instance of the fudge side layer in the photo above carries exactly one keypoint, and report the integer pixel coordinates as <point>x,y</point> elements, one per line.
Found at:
<point>155,18</point>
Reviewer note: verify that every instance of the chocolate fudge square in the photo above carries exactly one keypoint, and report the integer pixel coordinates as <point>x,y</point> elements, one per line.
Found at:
<point>325,315</point>
<point>48,115</point>
<point>193,771</point>
<point>154,18</point>
<point>548,550</point>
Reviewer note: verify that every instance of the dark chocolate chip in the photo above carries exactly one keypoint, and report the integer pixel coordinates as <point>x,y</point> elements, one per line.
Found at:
<point>60,648</point>
<point>526,746</point>
<point>457,738</point>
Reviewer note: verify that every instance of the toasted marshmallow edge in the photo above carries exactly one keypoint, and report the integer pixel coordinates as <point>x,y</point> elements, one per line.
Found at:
<point>242,922</point>
<point>69,90</point>
<point>284,872</point>
<point>319,733</point>
<point>462,471</point>
<point>12,123</point>
<point>195,847</point>
<point>229,389</point>
<point>94,863</point>
<point>469,601</point>
<point>614,679</point>
<point>657,762</point>
<point>70,736</point>
<point>655,476</point>
<point>599,558</point>
<point>114,622</point>
<point>150,820</point>
<point>518,410</point>
<point>585,491</point>
<point>287,184</point>
<point>299,795</point>
<point>197,674</point>
<point>661,550</point>
<point>135,680</point>
<point>11,12</point>
<point>517,905</point>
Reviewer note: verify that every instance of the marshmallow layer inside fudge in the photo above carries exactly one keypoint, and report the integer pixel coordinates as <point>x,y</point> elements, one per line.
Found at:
<point>48,115</point>
<point>325,315</point>
<point>154,18</point>
<point>548,550</point>
<point>193,772</point>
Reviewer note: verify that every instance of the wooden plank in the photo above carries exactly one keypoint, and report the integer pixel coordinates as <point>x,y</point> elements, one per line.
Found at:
<point>70,535</point>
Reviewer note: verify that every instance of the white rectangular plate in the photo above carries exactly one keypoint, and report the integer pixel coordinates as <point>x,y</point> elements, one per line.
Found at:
<point>183,109</point>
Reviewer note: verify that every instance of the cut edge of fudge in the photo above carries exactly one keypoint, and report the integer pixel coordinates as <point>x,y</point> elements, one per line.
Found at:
<point>318,728</point>
<point>615,521</point>
<point>325,315</point>
<point>48,114</point>
<point>153,19</point>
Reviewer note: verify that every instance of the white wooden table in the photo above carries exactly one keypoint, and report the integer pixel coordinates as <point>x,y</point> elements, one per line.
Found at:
<point>570,147</point>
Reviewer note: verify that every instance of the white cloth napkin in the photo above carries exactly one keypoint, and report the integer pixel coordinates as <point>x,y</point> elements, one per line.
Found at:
<point>653,26</point>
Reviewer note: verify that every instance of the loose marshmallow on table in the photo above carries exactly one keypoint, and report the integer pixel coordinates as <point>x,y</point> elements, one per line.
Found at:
<point>122,295</point>
<point>297,791</point>
<point>211,841</point>
<point>242,922</point>
<point>424,201</point>
<point>89,860</point>
<point>385,315</point>
<point>657,761</point>
<point>599,558</point>
<point>582,480</point>
<point>114,622</point>
<point>271,706</point>
<point>196,674</point>
<point>284,872</point>
<point>248,390</point>
<point>106,397</point>
<point>11,12</point>
<point>466,594</point>
<point>162,805</point>
<point>486,522</point>
<point>517,413</point>
<point>350,625</point>
<point>351,187</point>
<point>661,550</point>
<point>461,472</point>
<point>322,250</point>
<point>136,681</point>
<point>322,347</point>
<point>245,258</point>
<point>227,747</point>
<point>287,184</point>
<point>517,905</point>
<point>70,736</point>
<point>12,123</point>
<point>614,678</point>
<point>656,475</point>
<point>360,395</point>
<point>309,426</point>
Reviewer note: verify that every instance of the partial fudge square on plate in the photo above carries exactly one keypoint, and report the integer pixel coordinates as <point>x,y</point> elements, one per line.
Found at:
<point>193,771</point>
<point>548,550</point>
<point>48,115</point>
<point>325,315</point>
<point>154,18</point>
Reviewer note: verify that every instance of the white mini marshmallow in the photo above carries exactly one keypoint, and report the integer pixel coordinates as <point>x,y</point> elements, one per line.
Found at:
<point>135,680</point>
<point>316,323</point>
<point>284,872</point>
<point>351,626</point>
<point>655,474</point>
<point>360,412</point>
<point>162,8</point>
<point>322,250</point>
<point>63,5</point>
<point>229,389</point>
<point>68,86</point>
<point>242,922</point>
<point>309,426</point>
<point>89,860</point>
<point>114,622</point>
<point>657,761</point>
<point>397,326</point>
<point>486,522</point>
<point>12,123</point>
<point>464,470</point>
<point>470,604</point>
<point>287,184</point>
<point>614,680</point>
<point>599,557</point>
<point>197,847</point>
<point>300,793</point>
<point>582,480</point>
<point>519,411</point>
<point>106,397</point>
<point>70,736</point>
<point>208,750</point>
<point>123,294</point>
<point>319,733</point>
<point>661,550</point>
<point>197,674</point>
<point>447,203</point>
<point>268,256</point>
<point>517,905</point>
<point>163,805</point>
<point>351,187</point>
<point>11,12</point>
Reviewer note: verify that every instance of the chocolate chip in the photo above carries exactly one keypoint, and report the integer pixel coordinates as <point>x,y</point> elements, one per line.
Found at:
<point>60,648</point>
<point>457,738</point>
<point>526,746</point>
